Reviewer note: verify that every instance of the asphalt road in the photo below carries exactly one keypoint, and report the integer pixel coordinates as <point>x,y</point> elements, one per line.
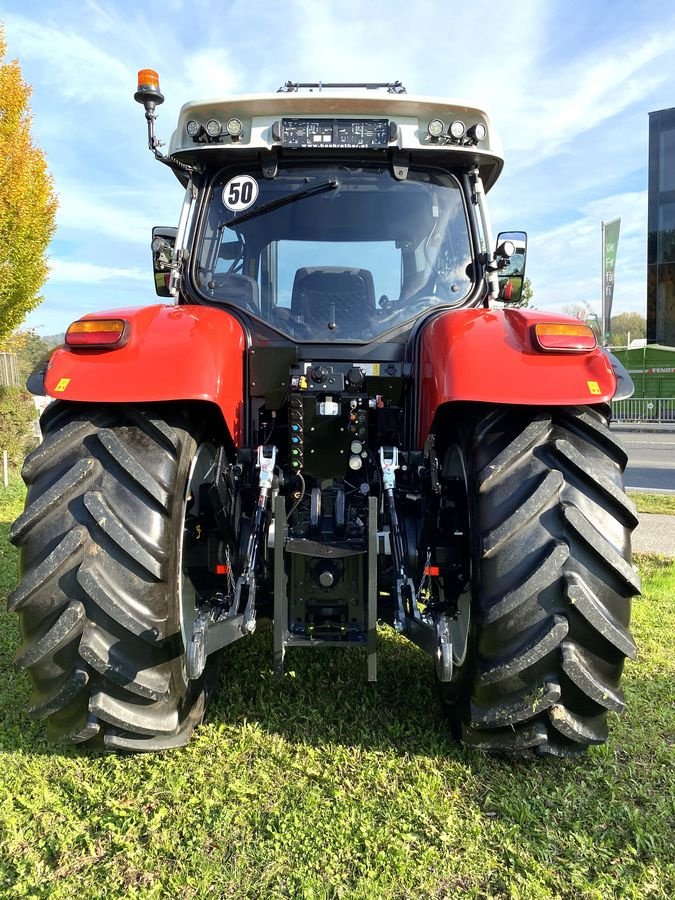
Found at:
<point>651,460</point>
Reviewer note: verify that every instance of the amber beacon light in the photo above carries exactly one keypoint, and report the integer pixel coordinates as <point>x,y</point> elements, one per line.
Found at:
<point>561,336</point>
<point>97,333</point>
<point>148,87</point>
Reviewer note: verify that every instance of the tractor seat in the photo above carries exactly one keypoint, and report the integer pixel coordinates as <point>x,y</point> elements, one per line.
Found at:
<point>333,301</point>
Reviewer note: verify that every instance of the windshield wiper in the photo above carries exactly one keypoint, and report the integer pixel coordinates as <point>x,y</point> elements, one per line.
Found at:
<point>330,185</point>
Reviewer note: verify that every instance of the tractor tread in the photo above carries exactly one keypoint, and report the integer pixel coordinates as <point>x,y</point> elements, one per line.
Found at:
<point>42,576</point>
<point>513,452</point>
<point>543,574</point>
<point>110,523</point>
<point>73,723</point>
<point>159,718</point>
<point>596,614</point>
<point>62,692</point>
<point>581,666</point>
<point>138,473</point>
<point>123,609</point>
<point>602,547</point>
<point>626,510</point>
<point>69,438</point>
<point>510,709</point>
<point>51,498</point>
<point>594,426</point>
<point>583,729</point>
<point>67,627</point>
<point>535,647</point>
<point>157,430</point>
<point>510,740</point>
<point>102,651</point>
<point>535,503</point>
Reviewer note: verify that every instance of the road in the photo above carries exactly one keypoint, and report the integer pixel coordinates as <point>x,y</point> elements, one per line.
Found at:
<point>651,460</point>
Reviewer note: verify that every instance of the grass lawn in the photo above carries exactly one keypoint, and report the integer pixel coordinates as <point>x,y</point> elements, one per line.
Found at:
<point>654,503</point>
<point>323,786</point>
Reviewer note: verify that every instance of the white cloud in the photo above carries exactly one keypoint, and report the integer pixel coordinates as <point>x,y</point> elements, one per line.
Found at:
<point>61,270</point>
<point>69,62</point>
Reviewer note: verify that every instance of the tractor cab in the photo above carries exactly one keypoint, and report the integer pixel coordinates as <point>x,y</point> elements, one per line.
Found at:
<point>332,213</point>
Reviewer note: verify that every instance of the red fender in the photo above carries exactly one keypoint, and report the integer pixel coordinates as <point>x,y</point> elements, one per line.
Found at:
<point>489,356</point>
<point>172,353</point>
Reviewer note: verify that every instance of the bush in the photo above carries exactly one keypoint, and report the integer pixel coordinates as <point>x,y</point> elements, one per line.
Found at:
<point>17,417</point>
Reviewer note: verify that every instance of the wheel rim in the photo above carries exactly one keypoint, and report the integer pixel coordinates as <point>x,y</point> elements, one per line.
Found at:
<point>202,463</point>
<point>456,489</point>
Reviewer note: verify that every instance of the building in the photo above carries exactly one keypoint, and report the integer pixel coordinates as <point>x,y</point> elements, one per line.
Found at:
<point>661,228</point>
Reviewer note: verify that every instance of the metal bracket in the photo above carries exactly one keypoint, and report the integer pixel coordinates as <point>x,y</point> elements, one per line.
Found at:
<point>444,651</point>
<point>389,464</point>
<point>270,165</point>
<point>400,164</point>
<point>195,660</point>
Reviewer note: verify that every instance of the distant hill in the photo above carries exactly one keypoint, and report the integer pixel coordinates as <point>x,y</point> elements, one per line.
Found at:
<point>54,340</point>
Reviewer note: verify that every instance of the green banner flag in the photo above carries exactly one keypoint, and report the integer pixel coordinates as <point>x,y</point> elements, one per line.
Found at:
<point>610,241</point>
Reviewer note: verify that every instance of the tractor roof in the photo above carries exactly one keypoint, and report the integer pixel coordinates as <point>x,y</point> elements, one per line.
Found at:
<point>264,125</point>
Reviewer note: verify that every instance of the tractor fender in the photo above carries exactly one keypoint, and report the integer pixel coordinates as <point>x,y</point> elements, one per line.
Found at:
<point>489,356</point>
<point>169,353</point>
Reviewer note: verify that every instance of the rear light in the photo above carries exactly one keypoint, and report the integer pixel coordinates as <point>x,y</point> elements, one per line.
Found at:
<point>559,336</point>
<point>97,333</point>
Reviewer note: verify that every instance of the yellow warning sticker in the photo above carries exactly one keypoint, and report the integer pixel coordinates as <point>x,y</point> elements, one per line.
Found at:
<point>594,387</point>
<point>62,385</point>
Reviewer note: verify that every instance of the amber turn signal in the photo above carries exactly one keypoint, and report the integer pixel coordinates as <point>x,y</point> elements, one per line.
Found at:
<point>563,336</point>
<point>97,333</point>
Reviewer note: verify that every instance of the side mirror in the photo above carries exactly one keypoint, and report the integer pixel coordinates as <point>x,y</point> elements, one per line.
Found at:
<point>510,255</point>
<point>163,243</point>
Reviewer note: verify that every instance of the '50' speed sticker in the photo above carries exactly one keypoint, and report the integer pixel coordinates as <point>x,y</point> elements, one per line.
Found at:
<point>241,192</point>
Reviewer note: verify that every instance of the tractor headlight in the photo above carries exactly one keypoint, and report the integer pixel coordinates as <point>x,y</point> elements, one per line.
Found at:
<point>213,128</point>
<point>436,128</point>
<point>457,129</point>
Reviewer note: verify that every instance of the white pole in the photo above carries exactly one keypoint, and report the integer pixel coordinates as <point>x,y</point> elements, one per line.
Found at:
<point>5,473</point>
<point>604,299</point>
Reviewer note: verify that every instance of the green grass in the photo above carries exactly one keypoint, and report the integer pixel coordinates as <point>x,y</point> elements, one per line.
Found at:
<point>325,787</point>
<point>654,503</point>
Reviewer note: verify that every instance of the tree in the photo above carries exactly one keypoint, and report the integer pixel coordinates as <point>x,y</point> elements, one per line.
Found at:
<point>577,310</point>
<point>27,201</point>
<point>17,415</point>
<point>628,323</point>
<point>525,294</point>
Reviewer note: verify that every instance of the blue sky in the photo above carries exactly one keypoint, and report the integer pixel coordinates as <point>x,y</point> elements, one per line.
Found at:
<point>568,86</point>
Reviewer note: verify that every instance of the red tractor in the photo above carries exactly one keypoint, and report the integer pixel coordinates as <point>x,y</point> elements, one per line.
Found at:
<point>330,419</point>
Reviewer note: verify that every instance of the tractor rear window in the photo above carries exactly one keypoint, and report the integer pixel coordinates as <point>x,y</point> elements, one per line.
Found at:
<point>335,253</point>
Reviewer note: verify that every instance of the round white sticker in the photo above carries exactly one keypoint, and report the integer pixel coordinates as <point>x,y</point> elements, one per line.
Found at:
<point>241,192</point>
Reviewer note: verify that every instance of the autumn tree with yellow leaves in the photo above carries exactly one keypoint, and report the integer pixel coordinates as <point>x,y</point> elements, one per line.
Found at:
<point>27,201</point>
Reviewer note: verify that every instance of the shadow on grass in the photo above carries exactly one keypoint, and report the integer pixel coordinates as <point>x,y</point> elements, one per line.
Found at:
<point>324,696</point>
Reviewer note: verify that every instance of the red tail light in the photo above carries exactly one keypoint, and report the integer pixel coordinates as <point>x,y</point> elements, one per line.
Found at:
<point>563,336</point>
<point>97,333</point>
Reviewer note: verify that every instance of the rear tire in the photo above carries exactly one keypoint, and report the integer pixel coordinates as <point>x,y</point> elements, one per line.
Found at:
<point>98,597</point>
<point>554,585</point>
